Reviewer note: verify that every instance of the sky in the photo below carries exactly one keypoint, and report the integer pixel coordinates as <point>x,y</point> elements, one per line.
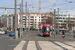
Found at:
<point>46,6</point>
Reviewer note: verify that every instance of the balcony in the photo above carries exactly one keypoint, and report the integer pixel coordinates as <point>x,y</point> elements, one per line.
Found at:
<point>24,18</point>
<point>31,20</point>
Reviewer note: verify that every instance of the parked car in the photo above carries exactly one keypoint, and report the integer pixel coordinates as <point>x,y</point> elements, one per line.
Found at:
<point>12,33</point>
<point>2,32</point>
<point>5,31</point>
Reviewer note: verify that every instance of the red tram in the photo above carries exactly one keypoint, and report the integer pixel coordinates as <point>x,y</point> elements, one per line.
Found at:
<point>46,29</point>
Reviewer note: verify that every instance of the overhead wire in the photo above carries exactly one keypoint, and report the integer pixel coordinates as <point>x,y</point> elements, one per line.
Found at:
<point>55,3</point>
<point>32,3</point>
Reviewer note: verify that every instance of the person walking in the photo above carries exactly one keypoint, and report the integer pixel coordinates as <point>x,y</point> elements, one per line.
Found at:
<point>63,33</point>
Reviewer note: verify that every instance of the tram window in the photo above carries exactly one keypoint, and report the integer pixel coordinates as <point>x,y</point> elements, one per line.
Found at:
<point>46,29</point>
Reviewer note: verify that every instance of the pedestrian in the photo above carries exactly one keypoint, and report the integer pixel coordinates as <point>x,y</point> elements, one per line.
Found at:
<point>63,33</point>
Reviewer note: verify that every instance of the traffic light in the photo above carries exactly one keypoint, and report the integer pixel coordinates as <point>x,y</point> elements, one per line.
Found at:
<point>23,29</point>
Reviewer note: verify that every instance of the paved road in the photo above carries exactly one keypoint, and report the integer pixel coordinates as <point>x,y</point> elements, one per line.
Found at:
<point>36,42</point>
<point>46,45</point>
<point>6,43</point>
<point>35,36</point>
<point>33,40</point>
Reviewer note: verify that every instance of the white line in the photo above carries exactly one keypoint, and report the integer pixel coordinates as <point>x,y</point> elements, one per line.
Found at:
<point>20,45</point>
<point>66,46</point>
<point>31,45</point>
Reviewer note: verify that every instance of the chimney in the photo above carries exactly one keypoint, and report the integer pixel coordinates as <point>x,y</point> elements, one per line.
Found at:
<point>39,6</point>
<point>5,11</point>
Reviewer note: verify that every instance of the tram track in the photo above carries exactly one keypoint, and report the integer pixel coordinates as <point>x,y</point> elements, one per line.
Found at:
<point>25,46</point>
<point>37,45</point>
<point>67,44</point>
<point>59,44</point>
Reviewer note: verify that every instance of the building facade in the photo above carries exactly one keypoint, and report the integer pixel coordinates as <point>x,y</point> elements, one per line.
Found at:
<point>7,20</point>
<point>33,20</point>
<point>30,20</point>
<point>65,22</point>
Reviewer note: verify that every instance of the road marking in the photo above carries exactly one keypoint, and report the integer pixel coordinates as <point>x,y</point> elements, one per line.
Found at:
<point>37,45</point>
<point>65,46</point>
<point>20,45</point>
<point>31,45</point>
<point>25,46</point>
<point>46,45</point>
<point>59,45</point>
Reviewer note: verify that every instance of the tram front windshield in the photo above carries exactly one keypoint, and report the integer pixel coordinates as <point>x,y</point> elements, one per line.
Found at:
<point>46,29</point>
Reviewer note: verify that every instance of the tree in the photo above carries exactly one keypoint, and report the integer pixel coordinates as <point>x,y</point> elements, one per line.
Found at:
<point>1,25</point>
<point>49,20</point>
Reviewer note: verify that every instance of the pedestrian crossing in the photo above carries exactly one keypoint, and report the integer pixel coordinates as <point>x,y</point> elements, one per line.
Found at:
<point>20,45</point>
<point>31,46</point>
<point>45,45</point>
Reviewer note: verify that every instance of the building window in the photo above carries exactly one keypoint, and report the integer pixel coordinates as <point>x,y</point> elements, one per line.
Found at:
<point>32,16</point>
<point>35,19</point>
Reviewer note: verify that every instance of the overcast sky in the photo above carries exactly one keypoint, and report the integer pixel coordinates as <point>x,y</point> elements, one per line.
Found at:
<point>46,5</point>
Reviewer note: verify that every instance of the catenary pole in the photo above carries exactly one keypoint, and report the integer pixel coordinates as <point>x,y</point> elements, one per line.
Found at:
<point>26,14</point>
<point>16,33</point>
<point>20,21</point>
<point>58,20</point>
<point>54,21</point>
<point>28,20</point>
<point>22,17</point>
<point>68,23</point>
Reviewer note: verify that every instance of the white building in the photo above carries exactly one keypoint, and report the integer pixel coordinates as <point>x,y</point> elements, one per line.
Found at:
<point>33,20</point>
<point>65,22</point>
<point>7,20</point>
